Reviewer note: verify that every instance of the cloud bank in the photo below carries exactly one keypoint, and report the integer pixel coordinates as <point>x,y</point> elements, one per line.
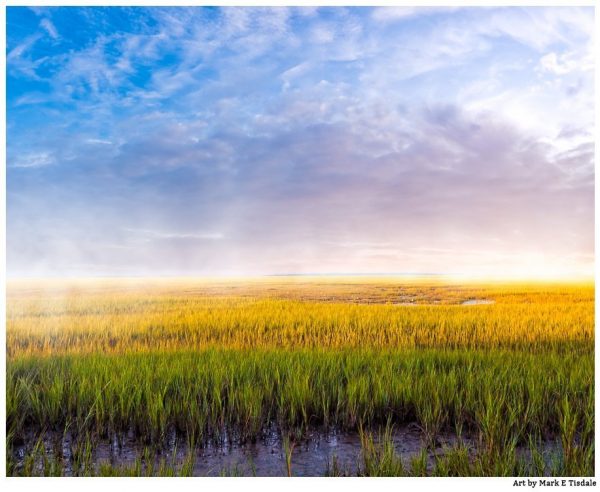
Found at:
<point>201,141</point>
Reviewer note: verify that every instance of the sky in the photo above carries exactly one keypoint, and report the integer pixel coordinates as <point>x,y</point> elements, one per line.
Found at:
<point>249,141</point>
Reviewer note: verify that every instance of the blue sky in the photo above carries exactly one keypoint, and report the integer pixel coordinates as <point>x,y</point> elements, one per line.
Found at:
<point>207,141</point>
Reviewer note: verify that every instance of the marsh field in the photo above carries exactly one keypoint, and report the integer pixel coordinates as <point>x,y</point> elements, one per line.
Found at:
<point>299,376</point>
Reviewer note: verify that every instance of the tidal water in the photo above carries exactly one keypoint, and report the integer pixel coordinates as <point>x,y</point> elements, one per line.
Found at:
<point>312,455</point>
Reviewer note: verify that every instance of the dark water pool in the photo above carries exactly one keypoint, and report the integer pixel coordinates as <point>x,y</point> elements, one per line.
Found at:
<point>313,455</point>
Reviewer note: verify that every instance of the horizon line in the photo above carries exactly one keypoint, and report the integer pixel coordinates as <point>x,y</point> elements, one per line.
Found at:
<point>231,276</point>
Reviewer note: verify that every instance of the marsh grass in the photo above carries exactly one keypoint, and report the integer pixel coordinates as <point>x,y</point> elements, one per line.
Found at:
<point>204,394</point>
<point>202,363</point>
<point>379,458</point>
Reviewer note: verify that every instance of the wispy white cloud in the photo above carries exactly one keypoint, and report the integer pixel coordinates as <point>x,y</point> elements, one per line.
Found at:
<point>50,28</point>
<point>18,51</point>
<point>394,14</point>
<point>568,62</point>
<point>32,160</point>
